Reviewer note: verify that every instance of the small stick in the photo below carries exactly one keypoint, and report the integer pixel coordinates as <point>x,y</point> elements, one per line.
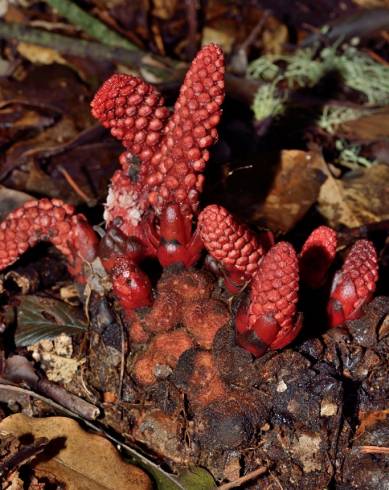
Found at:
<point>68,400</point>
<point>73,184</point>
<point>255,31</point>
<point>240,481</point>
<point>374,449</point>
<point>58,396</point>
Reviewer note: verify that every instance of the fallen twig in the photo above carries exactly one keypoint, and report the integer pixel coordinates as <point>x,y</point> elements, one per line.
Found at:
<point>19,370</point>
<point>240,481</point>
<point>76,188</point>
<point>59,398</point>
<point>374,449</point>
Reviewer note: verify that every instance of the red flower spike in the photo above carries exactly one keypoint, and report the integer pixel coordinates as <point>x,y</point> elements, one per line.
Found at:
<point>130,285</point>
<point>317,255</point>
<point>271,320</point>
<point>354,284</point>
<point>175,174</point>
<point>134,111</point>
<point>53,221</point>
<point>165,161</point>
<point>231,243</point>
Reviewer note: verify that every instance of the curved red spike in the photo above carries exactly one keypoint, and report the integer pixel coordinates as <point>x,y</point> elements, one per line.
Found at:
<point>354,284</point>
<point>175,174</point>
<point>134,111</point>
<point>130,285</point>
<point>317,255</point>
<point>271,321</point>
<point>48,220</point>
<point>230,242</point>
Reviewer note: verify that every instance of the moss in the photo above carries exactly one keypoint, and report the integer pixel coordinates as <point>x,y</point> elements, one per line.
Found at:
<point>304,68</point>
<point>349,155</point>
<point>268,102</point>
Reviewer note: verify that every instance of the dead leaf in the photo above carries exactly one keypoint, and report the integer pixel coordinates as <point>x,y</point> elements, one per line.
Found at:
<point>332,203</point>
<point>274,36</point>
<point>81,460</point>
<point>40,318</point>
<point>360,198</point>
<point>368,128</point>
<point>294,190</point>
<point>40,54</point>
<point>222,37</point>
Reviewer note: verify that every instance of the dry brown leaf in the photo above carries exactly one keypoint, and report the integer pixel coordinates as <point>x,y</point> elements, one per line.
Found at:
<point>369,128</point>
<point>82,460</point>
<point>357,200</point>
<point>274,36</point>
<point>333,205</point>
<point>223,37</point>
<point>39,54</point>
<point>294,190</point>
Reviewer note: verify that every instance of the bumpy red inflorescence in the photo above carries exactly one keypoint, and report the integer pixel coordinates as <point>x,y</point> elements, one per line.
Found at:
<point>165,161</point>
<point>354,284</point>
<point>230,242</point>
<point>271,321</point>
<point>317,255</point>
<point>53,221</point>
<point>176,171</point>
<point>134,111</point>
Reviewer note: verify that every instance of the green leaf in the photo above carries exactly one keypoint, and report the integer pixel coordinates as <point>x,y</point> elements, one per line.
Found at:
<point>197,479</point>
<point>89,24</point>
<point>41,318</point>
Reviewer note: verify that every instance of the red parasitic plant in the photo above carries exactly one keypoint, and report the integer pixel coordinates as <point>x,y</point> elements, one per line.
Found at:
<point>166,155</point>
<point>233,244</point>
<point>354,285</point>
<point>317,255</point>
<point>53,221</point>
<point>271,320</point>
<point>151,210</point>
